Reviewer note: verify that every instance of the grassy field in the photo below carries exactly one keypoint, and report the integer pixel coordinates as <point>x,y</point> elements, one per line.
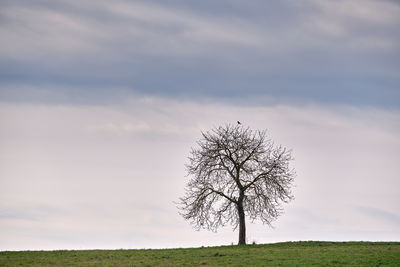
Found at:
<point>279,254</point>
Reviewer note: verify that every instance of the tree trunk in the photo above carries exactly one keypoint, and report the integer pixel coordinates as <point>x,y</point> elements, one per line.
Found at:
<point>242,223</point>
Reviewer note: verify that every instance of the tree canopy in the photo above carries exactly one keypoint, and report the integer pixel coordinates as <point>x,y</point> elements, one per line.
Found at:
<point>236,172</point>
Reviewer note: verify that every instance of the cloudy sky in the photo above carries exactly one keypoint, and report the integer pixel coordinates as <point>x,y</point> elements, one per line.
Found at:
<point>101,101</point>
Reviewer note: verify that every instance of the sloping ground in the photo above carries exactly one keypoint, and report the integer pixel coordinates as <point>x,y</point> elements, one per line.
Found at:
<point>279,254</point>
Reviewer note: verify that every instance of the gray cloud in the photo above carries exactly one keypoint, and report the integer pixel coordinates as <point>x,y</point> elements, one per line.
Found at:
<point>342,52</point>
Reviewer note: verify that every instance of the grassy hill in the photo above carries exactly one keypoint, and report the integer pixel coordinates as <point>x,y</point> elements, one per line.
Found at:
<point>278,254</point>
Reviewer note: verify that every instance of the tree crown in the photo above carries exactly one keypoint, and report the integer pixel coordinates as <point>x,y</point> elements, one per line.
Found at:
<point>231,166</point>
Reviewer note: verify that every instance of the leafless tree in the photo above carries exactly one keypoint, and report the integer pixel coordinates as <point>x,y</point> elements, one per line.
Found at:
<point>236,172</point>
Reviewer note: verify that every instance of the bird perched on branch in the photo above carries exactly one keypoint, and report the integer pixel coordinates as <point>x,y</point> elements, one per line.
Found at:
<point>238,122</point>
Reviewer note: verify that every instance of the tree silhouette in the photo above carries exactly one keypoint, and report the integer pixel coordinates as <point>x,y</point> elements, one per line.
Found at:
<point>236,172</point>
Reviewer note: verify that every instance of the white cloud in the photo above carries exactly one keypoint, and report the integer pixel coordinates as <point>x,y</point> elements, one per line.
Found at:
<point>107,176</point>
<point>357,24</point>
<point>47,32</point>
<point>38,32</point>
<point>364,11</point>
<point>187,25</point>
<point>115,30</point>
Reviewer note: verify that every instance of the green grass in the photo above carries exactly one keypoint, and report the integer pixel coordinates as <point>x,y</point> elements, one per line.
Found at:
<point>311,253</point>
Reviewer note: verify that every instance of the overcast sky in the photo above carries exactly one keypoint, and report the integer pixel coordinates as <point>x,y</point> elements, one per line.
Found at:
<point>101,101</point>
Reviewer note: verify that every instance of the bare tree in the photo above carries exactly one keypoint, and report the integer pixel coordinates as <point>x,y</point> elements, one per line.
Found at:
<point>236,172</point>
